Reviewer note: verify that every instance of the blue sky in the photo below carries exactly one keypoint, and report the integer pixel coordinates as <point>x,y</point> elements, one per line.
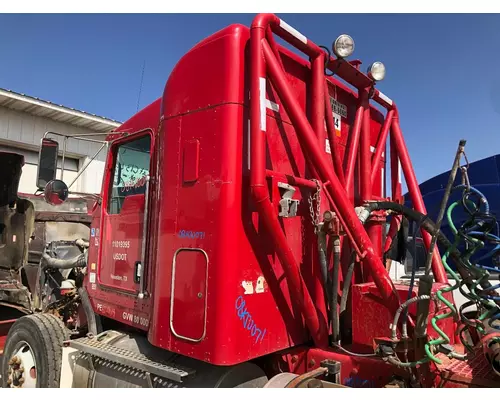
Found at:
<point>442,70</point>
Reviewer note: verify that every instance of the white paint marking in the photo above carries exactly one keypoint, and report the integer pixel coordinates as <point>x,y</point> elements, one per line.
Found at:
<point>382,187</point>
<point>248,286</point>
<point>372,149</point>
<point>262,92</point>
<point>249,147</point>
<point>272,105</point>
<point>259,287</point>
<point>327,146</point>
<point>292,31</point>
<point>385,98</point>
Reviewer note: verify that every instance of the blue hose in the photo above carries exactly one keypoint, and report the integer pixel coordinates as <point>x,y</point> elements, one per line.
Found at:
<point>495,298</point>
<point>484,234</point>
<point>482,196</point>
<point>492,269</point>
<point>479,236</point>
<point>493,319</point>
<point>489,254</point>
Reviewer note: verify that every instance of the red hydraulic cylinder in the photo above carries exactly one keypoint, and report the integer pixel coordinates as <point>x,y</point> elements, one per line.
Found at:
<point>300,294</point>
<point>337,193</point>
<point>416,196</point>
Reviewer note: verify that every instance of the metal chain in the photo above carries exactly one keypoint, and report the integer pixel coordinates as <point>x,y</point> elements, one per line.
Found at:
<point>315,216</point>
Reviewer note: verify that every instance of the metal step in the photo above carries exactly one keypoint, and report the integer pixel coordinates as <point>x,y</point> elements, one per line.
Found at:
<point>130,359</point>
<point>475,372</point>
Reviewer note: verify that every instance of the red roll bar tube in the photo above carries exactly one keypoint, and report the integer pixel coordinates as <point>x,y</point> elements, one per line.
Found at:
<point>300,295</point>
<point>416,197</point>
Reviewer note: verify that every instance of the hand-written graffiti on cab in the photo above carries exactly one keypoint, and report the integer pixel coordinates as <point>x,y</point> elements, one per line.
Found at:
<point>191,235</point>
<point>133,184</point>
<point>247,320</point>
<point>357,382</point>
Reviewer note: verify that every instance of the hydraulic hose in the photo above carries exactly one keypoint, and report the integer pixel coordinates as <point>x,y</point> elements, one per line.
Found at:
<point>398,363</point>
<point>323,260</point>
<point>413,268</point>
<point>471,275</point>
<point>491,348</point>
<point>483,297</point>
<point>444,339</point>
<point>429,226</point>
<point>335,289</point>
<point>477,226</point>
<point>400,310</point>
<point>482,197</point>
<point>337,346</point>
<point>347,283</point>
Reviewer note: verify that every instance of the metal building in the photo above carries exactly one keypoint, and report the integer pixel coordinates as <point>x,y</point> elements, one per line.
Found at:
<point>23,122</point>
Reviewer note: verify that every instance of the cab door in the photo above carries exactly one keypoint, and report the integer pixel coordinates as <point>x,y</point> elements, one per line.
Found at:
<point>122,246</point>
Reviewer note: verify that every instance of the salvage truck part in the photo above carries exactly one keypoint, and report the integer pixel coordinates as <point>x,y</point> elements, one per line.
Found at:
<point>34,234</point>
<point>33,352</point>
<point>231,210</point>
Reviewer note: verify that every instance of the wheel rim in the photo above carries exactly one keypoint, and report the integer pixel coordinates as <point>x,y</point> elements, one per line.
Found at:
<point>22,367</point>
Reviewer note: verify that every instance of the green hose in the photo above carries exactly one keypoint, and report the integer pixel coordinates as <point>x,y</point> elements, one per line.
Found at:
<point>444,339</point>
<point>478,274</point>
<point>408,364</point>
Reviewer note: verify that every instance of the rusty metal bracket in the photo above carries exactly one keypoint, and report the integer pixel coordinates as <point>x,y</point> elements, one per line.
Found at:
<point>288,206</point>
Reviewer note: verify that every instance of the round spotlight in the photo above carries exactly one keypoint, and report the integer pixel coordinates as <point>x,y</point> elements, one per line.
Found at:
<point>343,46</point>
<point>376,71</point>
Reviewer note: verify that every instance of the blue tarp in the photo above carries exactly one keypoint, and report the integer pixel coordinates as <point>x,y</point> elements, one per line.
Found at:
<point>484,175</point>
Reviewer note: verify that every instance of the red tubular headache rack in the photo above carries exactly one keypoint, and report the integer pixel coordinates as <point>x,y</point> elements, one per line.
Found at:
<point>337,182</point>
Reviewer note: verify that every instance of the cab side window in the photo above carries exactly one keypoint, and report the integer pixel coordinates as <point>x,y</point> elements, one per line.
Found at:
<point>131,166</point>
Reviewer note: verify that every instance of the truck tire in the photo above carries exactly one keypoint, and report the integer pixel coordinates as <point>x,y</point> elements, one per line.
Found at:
<point>34,351</point>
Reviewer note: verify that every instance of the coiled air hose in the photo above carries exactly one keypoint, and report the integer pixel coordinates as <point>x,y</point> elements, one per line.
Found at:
<point>429,227</point>
<point>443,338</point>
<point>470,275</point>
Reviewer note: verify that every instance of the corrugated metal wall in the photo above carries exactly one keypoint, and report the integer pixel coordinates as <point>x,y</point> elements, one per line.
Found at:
<point>19,130</point>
